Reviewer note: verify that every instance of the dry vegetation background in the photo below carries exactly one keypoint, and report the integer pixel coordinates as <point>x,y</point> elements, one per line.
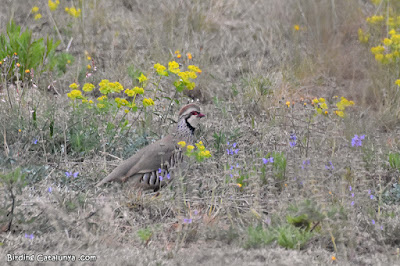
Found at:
<point>322,201</point>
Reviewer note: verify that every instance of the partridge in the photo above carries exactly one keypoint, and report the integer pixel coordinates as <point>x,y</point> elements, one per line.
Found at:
<point>150,167</point>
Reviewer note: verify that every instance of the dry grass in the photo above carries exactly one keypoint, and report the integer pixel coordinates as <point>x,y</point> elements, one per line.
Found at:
<point>253,61</point>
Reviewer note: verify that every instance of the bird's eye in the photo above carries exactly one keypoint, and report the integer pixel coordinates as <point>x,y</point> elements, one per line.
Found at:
<point>194,113</point>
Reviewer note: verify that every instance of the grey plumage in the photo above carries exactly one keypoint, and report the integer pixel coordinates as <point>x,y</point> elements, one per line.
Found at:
<point>157,159</point>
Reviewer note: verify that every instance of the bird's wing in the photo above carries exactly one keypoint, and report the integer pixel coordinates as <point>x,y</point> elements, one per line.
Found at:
<point>145,160</point>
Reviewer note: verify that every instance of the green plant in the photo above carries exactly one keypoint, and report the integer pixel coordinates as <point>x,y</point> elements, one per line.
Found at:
<point>27,54</point>
<point>394,160</point>
<point>145,235</point>
<point>14,182</point>
<point>258,237</point>
<point>292,237</point>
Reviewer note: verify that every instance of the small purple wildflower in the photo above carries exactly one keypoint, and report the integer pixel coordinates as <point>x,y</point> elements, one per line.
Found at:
<point>234,145</point>
<point>292,143</point>
<point>168,176</point>
<point>326,167</point>
<point>269,160</point>
<point>161,178</point>
<point>34,141</point>
<point>196,212</point>
<point>187,221</point>
<point>357,140</point>
<point>231,167</point>
<point>231,175</point>
<point>352,203</point>
<point>330,162</point>
<point>371,197</point>
<point>49,190</point>
<point>381,227</point>
<point>369,192</point>
<point>70,174</point>
<point>159,170</point>
<point>352,195</point>
<point>267,221</point>
<point>236,151</point>
<point>29,236</point>
<point>350,188</point>
<point>293,139</point>
<point>237,165</point>
<point>373,221</point>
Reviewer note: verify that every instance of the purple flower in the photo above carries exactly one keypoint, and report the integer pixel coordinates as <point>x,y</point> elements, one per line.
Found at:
<point>269,160</point>
<point>326,167</point>
<point>357,140</point>
<point>352,203</point>
<point>352,194</point>
<point>369,192</point>
<point>350,188</point>
<point>292,143</point>
<point>231,167</point>
<point>234,145</point>
<point>373,221</point>
<point>330,162</point>
<point>34,141</point>
<point>49,190</point>
<point>236,151</point>
<point>70,174</point>
<point>293,137</point>
<point>187,221</point>
<point>159,170</point>
<point>196,212</point>
<point>29,236</point>
<point>371,197</point>
<point>168,176</point>
<point>231,175</point>
<point>237,165</point>
<point>381,227</point>
<point>161,178</point>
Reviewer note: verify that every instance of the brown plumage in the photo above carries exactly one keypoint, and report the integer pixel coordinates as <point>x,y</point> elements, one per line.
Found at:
<point>150,167</point>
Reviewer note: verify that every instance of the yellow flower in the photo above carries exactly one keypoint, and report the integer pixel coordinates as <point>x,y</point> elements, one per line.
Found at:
<point>53,5</point>
<point>72,11</point>
<point>100,106</point>
<point>173,67</point>
<point>38,16</point>
<point>362,37</point>
<point>89,66</point>
<point>117,87</point>
<point>126,111</point>
<point>392,31</point>
<point>27,71</point>
<point>129,92</point>
<point>90,102</point>
<point>138,90</point>
<point>142,78</point>
<point>377,49</point>
<point>190,147</point>
<point>104,82</point>
<point>35,9</point>
<point>191,74</point>
<point>177,52</point>
<point>69,62</point>
<point>288,104</point>
<point>88,58</point>
<point>161,70</point>
<point>339,113</point>
<point>75,94</point>
<point>296,27</point>
<point>333,258</point>
<point>387,42</point>
<point>178,55</point>
<point>88,87</point>
<point>194,68</point>
<point>189,56</point>
<point>182,143</point>
<point>102,98</point>
<point>74,86</point>
<point>379,57</point>
<point>239,185</point>
<point>147,102</point>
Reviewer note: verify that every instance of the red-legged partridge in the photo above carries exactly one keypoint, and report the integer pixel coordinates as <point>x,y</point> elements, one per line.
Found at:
<point>150,167</point>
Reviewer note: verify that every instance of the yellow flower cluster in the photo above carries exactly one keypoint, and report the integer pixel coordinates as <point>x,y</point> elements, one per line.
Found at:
<point>107,87</point>
<point>161,70</point>
<point>148,102</point>
<point>88,87</point>
<point>363,37</point>
<point>53,5</point>
<point>75,94</point>
<point>320,105</point>
<point>72,11</point>
<point>35,9</point>
<point>142,78</point>
<point>375,19</point>
<point>173,67</point>
<point>38,16</point>
<point>341,105</point>
<point>200,153</point>
<point>185,78</point>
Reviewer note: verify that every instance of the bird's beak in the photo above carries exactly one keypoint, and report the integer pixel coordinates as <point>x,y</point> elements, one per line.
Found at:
<point>200,115</point>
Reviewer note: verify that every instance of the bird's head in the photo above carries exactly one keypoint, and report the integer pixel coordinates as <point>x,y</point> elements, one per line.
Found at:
<point>192,115</point>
